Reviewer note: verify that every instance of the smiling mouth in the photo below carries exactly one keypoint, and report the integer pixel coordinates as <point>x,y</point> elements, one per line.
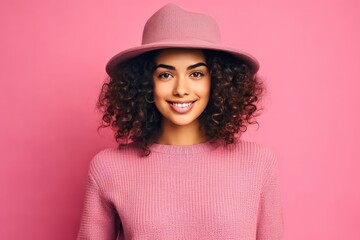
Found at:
<point>181,107</point>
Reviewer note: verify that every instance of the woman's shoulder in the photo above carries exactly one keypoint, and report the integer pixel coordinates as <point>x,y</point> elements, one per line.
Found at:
<point>257,151</point>
<point>111,156</point>
<point>260,156</point>
<point>252,146</point>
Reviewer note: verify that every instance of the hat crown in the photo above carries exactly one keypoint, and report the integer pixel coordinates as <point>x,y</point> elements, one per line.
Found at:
<point>171,23</point>
<point>174,27</point>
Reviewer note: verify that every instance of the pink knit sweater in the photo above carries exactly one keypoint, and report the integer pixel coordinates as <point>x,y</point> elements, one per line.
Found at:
<point>200,191</point>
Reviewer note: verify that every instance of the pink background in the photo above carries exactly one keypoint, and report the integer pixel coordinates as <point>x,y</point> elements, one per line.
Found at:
<point>53,55</point>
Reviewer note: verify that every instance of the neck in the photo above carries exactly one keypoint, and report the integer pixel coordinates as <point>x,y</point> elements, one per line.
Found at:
<point>171,134</point>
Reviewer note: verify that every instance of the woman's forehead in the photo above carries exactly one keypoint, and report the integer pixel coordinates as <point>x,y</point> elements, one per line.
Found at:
<point>167,52</point>
<point>180,56</point>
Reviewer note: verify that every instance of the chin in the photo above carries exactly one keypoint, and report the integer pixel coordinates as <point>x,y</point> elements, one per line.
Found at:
<point>182,122</point>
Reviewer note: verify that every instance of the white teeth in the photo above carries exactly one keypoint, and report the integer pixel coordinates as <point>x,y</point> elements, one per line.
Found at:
<point>182,105</point>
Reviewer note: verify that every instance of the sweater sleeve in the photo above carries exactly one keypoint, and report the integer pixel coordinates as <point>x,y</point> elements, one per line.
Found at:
<point>270,219</point>
<point>98,216</point>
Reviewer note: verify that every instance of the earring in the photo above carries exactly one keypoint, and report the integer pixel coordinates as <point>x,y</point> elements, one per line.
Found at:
<point>148,101</point>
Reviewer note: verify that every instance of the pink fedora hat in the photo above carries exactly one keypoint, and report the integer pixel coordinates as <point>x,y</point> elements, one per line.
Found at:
<point>174,27</point>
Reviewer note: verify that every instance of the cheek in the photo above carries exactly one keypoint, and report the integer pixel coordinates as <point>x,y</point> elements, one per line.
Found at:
<point>204,89</point>
<point>157,90</point>
<point>161,91</point>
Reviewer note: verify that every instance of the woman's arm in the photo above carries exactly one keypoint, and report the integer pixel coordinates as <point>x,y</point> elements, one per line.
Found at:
<point>99,217</point>
<point>270,218</point>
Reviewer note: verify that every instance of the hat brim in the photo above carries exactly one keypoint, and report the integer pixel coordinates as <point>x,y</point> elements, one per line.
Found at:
<point>136,51</point>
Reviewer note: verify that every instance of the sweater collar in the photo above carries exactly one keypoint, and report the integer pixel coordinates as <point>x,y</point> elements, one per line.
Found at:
<point>184,149</point>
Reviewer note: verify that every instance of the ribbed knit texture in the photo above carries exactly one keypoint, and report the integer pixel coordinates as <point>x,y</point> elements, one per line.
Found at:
<point>201,191</point>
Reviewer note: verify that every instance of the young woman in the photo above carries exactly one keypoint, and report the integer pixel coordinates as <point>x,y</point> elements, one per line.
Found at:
<point>178,104</point>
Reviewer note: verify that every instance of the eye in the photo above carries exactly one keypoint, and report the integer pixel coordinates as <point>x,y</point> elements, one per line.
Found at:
<point>165,75</point>
<point>197,74</point>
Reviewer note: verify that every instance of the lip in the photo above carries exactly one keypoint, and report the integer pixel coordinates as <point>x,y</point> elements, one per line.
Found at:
<point>181,101</point>
<point>181,110</point>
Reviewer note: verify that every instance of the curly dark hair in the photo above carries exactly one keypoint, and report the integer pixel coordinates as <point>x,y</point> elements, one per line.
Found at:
<point>235,94</point>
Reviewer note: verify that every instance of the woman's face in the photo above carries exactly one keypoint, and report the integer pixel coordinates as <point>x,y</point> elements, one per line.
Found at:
<point>181,85</point>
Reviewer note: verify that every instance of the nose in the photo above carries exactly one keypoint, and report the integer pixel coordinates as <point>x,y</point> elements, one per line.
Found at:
<point>181,87</point>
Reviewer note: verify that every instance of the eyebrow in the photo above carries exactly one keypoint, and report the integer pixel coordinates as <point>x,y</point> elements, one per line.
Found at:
<point>188,68</point>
